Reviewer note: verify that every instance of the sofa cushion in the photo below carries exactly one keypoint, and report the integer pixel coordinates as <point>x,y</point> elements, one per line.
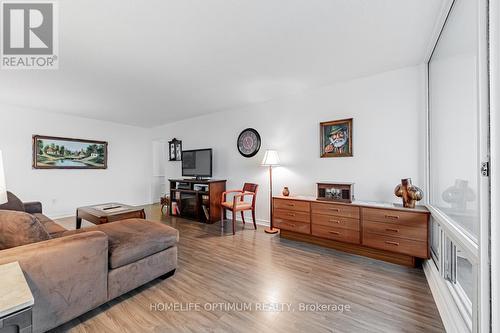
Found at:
<point>133,239</point>
<point>52,228</point>
<point>13,203</point>
<point>19,228</point>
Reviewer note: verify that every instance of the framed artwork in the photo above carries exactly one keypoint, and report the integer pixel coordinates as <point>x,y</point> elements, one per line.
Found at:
<point>50,152</point>
<point>336,138</point>
<point>175,150</point>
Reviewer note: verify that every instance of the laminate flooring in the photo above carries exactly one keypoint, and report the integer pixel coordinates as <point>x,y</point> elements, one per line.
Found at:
<point>256,282</point>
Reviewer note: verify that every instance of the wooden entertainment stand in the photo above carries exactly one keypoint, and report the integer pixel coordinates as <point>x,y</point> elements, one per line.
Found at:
<point>197,199</point>
<point>387,232</point>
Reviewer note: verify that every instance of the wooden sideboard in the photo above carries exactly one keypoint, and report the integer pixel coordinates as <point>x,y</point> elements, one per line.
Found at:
<point>388,232</point>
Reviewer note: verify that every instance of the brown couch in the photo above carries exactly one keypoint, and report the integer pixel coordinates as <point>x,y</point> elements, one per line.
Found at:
<point>72,272</point>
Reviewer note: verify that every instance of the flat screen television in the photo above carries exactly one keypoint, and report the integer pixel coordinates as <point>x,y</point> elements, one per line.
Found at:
<point>197,163</point>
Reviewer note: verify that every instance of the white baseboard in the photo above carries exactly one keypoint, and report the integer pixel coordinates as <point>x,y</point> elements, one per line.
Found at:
<point>60,216</point>
<point>247,219</point>
<point>56,216</point>
<point>450,314</point>
<point>264,223</point>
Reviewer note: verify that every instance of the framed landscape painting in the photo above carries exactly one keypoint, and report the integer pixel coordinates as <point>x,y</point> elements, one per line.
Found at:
<point>64,153</point>
<point>336,138</point>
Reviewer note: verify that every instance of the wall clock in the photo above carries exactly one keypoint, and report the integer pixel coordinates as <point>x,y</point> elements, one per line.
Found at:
<point>248,142</point>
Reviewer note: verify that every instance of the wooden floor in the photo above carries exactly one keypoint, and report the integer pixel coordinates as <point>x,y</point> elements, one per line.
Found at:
<point>255,269</point>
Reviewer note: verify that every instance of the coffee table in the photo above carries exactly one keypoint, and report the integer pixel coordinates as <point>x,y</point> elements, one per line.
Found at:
<point>109,212</point>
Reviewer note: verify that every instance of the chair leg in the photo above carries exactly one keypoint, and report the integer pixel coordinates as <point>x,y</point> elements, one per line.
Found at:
<point>253,218</point>
<point>243,217</point>
<point>234,219</point>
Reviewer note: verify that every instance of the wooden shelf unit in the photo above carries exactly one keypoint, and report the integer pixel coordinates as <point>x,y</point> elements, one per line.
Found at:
<point>190,201</point>
<point>387,232</point>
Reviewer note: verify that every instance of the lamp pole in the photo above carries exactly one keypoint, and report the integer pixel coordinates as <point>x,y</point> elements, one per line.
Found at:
<point>271,230</point>
<point>271,159</point>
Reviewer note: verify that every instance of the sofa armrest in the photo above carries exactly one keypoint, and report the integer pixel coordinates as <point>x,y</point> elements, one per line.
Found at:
<point>67,276</point>
<point>33,207</point>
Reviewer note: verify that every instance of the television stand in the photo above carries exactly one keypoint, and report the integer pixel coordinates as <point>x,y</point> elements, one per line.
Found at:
<point>197,199</point>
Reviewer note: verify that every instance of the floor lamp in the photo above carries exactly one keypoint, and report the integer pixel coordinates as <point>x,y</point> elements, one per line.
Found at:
<point>3,189</point>
<point>271,159</point>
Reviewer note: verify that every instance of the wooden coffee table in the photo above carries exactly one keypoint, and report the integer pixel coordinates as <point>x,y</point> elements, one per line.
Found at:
<point>109,212</point>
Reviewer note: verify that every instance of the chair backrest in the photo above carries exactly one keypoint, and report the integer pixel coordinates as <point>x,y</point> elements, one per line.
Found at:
<point>249,187</point>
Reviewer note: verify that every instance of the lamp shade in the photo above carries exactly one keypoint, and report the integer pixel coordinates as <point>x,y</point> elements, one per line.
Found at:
<point>271,158</point>
<point>3,188</point>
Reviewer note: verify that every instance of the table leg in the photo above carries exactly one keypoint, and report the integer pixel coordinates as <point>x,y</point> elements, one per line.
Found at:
<point>78,221</point>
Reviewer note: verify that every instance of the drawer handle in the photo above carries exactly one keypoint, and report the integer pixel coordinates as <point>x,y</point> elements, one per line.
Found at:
<point>289,224</point>
<point>335,221</point>
<point>392,243</point>
<point>335,209</point>
<point>291,205</point>
<point>393,230</point>
<point>291,214</point>
<point>395,217</point>
<point>334,232</point>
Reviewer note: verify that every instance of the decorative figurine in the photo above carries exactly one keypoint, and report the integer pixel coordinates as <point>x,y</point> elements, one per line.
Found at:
<point>410,193</point>
<point>286,192</point>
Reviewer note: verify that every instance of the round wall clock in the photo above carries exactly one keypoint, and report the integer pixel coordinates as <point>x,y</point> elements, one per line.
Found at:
<point>248,142</point>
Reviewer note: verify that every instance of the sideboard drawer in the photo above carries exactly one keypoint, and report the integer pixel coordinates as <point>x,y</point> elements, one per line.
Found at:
<point>292,215</point>
<point>288,204</point>
<point>396,230</point>
<point>338,234</point>
<point>394,244</point>
<point>395,216</point>
<point>335,210</point>
<point>301,227</point>
<point>335,221</point>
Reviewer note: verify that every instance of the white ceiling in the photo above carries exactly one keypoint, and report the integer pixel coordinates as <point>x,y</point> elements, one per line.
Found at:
<point>151,62</point>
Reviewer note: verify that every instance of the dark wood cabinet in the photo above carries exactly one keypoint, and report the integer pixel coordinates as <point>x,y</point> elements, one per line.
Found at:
<point>196,199</point>
<point>383,231</point>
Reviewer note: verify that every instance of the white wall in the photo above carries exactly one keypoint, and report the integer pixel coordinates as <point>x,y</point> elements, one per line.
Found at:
<point>389,126</point>
<point>61,191</point>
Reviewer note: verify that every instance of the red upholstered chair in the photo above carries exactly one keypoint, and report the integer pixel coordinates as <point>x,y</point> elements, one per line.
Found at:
<point>238,204</point>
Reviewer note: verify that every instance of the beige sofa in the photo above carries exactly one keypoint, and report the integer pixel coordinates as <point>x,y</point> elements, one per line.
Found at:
<point>72,272</point>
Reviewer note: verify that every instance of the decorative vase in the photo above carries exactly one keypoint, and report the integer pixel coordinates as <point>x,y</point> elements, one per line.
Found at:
<point>409,193</point>
<point>286,192</point>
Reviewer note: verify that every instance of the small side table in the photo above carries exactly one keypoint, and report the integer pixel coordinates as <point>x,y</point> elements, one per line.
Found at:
<point>16,300</point>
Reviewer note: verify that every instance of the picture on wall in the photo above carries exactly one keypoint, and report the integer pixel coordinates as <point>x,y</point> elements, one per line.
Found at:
<point>336,138</point>
<point>64,153</point>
